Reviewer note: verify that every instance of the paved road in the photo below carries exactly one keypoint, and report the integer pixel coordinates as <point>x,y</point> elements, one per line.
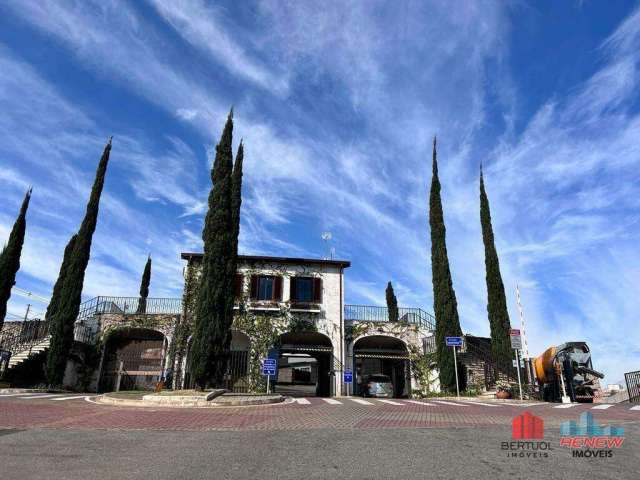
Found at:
<point>48,437</point>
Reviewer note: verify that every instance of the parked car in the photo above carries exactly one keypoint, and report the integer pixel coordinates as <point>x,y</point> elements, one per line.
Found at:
<point>377,385</point>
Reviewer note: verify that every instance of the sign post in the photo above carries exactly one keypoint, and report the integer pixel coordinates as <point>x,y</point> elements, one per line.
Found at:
<point>455,342</point>
<point>516,344</point>
<point>348,379</point>
<point>269,367</point>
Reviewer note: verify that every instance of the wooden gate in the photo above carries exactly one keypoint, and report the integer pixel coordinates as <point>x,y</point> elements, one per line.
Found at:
<point>138,363</point>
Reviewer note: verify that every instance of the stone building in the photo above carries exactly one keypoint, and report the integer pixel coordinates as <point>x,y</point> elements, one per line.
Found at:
<point>288,309</point>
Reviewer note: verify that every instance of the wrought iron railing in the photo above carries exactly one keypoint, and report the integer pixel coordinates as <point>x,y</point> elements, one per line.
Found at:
<point>129,306</point>
<point>633,386</point>
<point>23,337</point>
<point>33,332</point>
<point>372,313</point>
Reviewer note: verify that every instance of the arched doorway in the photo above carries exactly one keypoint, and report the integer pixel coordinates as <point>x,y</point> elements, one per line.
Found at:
<point>382,355</point>
<point>133,360</point>
<point>305,365</point>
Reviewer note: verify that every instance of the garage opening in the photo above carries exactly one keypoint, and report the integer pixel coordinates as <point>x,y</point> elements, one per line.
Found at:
<point>380,358</point>
<point>304,365</point>
<point>135,357</point>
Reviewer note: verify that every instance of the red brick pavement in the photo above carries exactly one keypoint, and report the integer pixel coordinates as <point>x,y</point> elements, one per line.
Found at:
<point>79,414</point>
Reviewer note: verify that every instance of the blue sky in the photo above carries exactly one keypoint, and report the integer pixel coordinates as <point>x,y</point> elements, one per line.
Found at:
<point>337,107</point>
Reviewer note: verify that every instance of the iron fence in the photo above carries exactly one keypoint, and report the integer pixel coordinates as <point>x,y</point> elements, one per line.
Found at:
<point>28,334</point>
<point>129,306</point>
<point>372,313</point>
<point>633,386</point>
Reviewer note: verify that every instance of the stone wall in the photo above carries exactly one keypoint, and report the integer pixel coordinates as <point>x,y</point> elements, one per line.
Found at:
<point>327,320</point>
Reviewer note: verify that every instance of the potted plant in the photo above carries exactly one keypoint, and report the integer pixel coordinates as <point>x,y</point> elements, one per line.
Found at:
<point>504,391</point>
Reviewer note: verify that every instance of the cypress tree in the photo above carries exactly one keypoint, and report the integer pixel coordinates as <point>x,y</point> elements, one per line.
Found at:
<point>236,199</point>
<point>496,299</point>
<point>392,303</point>
<point>54,303</point>
<point>144,287</point>
<point>10,257</point>
<point>214,312</point>
<point>445,305</point>
<point>71,280</point>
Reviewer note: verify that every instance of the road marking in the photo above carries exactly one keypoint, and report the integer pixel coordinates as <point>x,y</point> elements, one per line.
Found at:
<point>68,398</point>
<point>444,402</point>
<point>480,403</point>
<point>302,401</point>
<point>360,401</point>
<point>390,402</point>
<point>331,401</point>
<point>12,394</point>
<point>418,402</point>
<point>40,396</point>
<point>637,407</point>
<point>604,406</point>
<point>566,405</point>
<point>537,404</point>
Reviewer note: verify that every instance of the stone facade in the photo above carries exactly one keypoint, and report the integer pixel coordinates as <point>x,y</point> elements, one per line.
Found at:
<point>323,314</point>
<point>285,307</point>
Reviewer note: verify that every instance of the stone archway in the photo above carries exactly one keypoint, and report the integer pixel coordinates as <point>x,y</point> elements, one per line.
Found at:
<point>305,364</point>
<point>133,359</point>
<point>382,355</point>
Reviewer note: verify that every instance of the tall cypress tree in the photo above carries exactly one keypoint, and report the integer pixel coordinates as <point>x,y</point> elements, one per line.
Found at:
<point>144,287</point>
<point>236,199</point>
<point>54,303</point>
<point>212,332</point>
<point>496,299</point>
<point>445,305</point>
<point>10,257</point>
<point>67,303</point>
<point>392,303</point>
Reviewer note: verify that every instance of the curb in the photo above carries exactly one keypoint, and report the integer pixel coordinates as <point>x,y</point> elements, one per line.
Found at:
<point>21,390</point>
<point>490,400</point>
<point>191,402</point>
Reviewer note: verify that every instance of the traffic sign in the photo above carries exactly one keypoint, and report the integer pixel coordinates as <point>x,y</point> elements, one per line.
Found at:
<point>453,341</point>
<point>348,376</point>
<point>516,339</point>
<point>269,366</point>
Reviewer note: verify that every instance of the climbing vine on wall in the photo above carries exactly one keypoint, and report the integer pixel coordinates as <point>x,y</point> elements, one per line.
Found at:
<point>423,370</point>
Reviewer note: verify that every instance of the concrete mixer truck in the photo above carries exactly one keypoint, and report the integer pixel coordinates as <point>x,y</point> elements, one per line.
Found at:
<point>566,372</point>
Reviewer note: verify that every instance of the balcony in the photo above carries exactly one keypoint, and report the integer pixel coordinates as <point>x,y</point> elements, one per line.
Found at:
<point>372,313</point>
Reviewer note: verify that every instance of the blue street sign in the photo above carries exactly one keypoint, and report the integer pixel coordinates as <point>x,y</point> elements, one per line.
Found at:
<point>453,341</point>
<point>269,366</point>
<point>348,376</point>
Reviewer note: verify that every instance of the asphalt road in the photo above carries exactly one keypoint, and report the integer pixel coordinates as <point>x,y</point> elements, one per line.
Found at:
<point>59,437</point>
<point>460,453</point>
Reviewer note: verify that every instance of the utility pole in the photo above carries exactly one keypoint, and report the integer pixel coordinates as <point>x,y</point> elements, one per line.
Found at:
<point>26,314</point>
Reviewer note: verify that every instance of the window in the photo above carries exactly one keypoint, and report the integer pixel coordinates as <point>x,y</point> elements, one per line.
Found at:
<point>306,290</point>
<point>303,290</point>
<point>266,288</point>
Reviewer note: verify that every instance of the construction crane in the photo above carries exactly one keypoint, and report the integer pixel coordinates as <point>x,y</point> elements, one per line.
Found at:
<point>565,374</point>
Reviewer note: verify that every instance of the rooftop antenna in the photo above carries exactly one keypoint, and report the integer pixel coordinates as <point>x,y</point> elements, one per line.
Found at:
<point>326,238</point>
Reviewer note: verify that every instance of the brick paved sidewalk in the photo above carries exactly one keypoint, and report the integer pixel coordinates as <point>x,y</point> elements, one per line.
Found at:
<point>315,413</point>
